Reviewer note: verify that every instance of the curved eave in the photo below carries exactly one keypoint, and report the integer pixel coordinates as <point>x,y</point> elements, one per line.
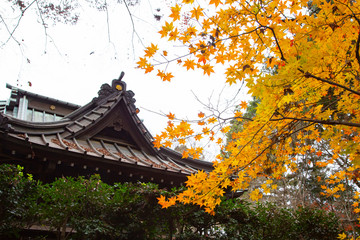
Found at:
<point>90,154</point>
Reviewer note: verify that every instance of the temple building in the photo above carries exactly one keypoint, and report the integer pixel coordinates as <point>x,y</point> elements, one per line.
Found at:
<point>53,138</point>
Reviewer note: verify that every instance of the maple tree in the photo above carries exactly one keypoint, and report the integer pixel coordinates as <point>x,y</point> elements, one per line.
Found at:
<point>301,60</point>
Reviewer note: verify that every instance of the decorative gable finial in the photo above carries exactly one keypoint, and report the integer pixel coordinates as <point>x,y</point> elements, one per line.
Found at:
<point>121,75</point>
<point>117,85</point>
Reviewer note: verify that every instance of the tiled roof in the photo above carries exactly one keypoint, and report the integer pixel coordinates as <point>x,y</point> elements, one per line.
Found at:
<point>104,134</point>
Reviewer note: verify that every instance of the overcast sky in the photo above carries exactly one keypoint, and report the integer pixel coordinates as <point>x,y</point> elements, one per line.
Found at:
<point>73,61</point>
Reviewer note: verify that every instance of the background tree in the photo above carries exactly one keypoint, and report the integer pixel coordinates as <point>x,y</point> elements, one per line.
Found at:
<point>303,185</point>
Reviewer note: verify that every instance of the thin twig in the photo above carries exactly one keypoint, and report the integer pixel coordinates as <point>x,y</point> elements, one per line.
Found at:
<point>44,25</point>
<point>107,20</point>
<point>17,24</point>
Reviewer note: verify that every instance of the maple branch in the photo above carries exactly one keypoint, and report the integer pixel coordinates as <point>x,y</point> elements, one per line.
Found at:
<point>357,54</point>
<point>326,122</point>
<point>308,75</point>
<point>272,144</point>
<point>277,43</point>
<point>206,46</point>
<point>276,40</point>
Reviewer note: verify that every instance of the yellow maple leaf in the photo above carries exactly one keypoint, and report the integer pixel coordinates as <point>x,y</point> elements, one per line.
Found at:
<point>238,115</point>
<point>196,12</point>
<point>175,12</point>
<point>208,69</point>
<point>198,137</point>
<point>173,35</point>
<point>212,120</point>
<point>341,236</point>
<point>150,51</point>
<point>255,195</point>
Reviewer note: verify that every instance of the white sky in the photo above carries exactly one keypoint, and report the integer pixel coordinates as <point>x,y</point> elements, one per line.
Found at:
<point>69,72</point>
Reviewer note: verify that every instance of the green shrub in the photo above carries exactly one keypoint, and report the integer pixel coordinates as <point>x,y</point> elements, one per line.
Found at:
<point>79,208</point>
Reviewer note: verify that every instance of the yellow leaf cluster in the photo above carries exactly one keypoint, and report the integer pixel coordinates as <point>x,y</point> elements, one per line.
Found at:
<point>301,62</point>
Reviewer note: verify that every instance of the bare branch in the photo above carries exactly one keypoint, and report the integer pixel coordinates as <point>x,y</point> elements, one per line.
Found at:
<point>107,20</point>
<point>17,24</point>
<point>133,27</point>
<point>44,25</point>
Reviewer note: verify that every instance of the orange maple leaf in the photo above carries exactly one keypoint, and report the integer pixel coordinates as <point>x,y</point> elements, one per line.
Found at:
<point>167,77</point>
<point>157,144</point>
<point>149,68</point>
<point>164,76</point>
<point>142,63</point>
<point>243,105</point>
<point>167,144</point>
<point>201,123</point>
<point>161,200</point>
<point>170,124</point>
<point>202,58</point>
<point>198,137</point>
<point>189,64</point>
<point>216,2</point>
<point>201,115</point>
<point>171,116</point>
<point>161,74</point>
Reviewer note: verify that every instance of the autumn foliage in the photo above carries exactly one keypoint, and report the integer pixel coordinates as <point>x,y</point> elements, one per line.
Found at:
<point>301,60</point>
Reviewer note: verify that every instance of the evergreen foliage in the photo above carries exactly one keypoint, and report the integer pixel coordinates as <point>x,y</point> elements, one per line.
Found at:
<point>90,209</point>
